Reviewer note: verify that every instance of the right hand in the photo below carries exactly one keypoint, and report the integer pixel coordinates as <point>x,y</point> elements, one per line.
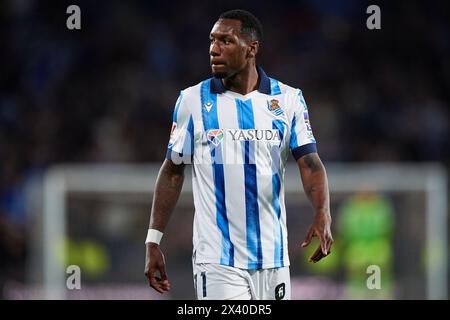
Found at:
<point>320,228</point>
<point>154,261</point>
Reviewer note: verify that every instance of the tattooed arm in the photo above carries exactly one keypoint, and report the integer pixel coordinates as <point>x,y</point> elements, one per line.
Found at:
<point>315,184</point>
<point>167,190</point>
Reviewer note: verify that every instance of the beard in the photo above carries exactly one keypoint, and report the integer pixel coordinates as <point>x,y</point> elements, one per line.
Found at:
<point>220,74</point>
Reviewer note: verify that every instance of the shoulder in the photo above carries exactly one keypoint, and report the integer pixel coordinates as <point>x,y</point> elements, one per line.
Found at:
<point>191,91</point>
<point>292,96</point>
<point>278,87</point>
<point>190,95</point>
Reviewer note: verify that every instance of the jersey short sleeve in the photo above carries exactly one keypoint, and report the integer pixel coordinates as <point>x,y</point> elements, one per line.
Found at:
<point>302,140</point>
<point>181,142</point>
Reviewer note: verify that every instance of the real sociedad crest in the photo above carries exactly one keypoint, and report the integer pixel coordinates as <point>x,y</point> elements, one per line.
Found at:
<point>274,107</point>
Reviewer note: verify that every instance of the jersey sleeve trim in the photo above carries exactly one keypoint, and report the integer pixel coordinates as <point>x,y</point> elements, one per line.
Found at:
<point>304,150</point>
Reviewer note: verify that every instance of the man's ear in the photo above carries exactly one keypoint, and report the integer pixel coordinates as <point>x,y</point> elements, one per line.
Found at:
<point>253,49</point>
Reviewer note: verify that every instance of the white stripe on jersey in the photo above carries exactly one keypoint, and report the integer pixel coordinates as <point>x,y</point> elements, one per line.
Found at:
<point>239,147</point>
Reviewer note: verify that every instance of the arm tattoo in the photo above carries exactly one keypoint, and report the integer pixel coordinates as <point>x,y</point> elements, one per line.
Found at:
<point>315,181</point>
<point>313,162</point>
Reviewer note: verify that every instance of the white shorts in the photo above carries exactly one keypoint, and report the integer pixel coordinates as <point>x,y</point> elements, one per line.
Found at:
<point>218,282</point>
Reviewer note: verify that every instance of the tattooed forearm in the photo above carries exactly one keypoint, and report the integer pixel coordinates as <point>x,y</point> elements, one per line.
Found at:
<point>315,181</point>
<point>309,189</point>
<point>313,162</point>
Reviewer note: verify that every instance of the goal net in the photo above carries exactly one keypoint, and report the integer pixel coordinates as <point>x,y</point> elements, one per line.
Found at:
<point>389,227</point>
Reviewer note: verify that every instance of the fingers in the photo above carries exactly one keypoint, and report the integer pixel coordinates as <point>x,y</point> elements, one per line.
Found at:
<point>164,280</point>
<point>326,240</point>
<point>324,249</point>
<point>159,284</point>
<point>155,284</point>
<point>326,243</point>
<point>155,263</point>
<point>323,245</point>
<point>317,255</point>
<point>308,238</point>
<point>164,285</point>
<point>329,243</point>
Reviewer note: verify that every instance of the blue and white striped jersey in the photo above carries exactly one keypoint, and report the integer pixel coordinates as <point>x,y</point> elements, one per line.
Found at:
<point>239,145</point>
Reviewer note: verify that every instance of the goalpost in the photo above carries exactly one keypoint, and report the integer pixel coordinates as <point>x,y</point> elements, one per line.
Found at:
<point>431,179</point>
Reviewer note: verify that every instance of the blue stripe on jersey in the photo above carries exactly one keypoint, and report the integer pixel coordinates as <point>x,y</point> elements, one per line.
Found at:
<point>276,188</point>
<point>177,106</point>
<point>280,125</point>
<point>204,283</point>
<point>274,87</point>
<point>211,121</point>
<point>254,246</point>
<point>190,129</point>
<point>302,100</point>
<point>293,143</point>
<point>278,231</point>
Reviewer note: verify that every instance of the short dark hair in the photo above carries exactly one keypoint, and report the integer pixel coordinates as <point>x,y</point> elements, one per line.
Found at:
<point>250,25</point>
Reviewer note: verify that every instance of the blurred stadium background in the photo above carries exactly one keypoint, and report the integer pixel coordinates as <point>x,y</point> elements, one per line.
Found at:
<point>85,117</point>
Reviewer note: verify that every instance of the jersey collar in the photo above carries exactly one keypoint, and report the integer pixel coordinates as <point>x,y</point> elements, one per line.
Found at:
<point>264,83</point>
